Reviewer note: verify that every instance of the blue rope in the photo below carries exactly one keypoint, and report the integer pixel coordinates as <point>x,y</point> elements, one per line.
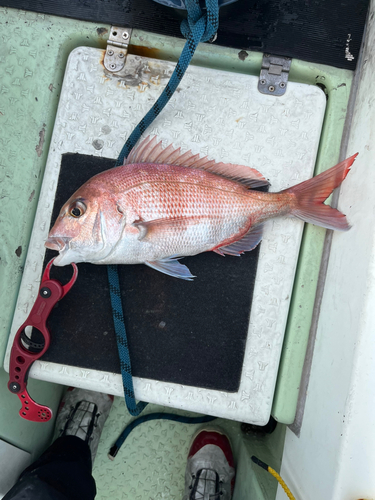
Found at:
<point>154,416</point>
<point>199,27</point>
<point>122,343</point>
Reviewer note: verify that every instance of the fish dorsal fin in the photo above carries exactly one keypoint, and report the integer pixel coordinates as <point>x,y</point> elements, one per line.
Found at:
<point>151,151</point>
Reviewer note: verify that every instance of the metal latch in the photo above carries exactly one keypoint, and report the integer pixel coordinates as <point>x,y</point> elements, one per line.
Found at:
<point>117,48</point>
<point>274,75</point>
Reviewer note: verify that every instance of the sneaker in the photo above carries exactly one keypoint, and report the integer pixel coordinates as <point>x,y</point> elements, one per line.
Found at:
<point>83,413</point>
<point>210,468</point>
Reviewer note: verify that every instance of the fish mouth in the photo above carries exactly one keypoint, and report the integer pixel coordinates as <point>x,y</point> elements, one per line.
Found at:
<point>58,243</point>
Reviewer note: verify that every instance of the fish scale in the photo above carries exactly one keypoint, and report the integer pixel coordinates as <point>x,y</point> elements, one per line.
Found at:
<point>157,200</point>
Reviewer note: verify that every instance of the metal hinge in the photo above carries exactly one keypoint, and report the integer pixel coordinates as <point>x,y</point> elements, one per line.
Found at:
<point>274,75</point>
<point>117,48</point>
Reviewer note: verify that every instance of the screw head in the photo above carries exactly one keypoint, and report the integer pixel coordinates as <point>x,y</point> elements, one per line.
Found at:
<point>271,88</point>
<point>121,55</point>
<point>45,292</point>
<point>282,85</point>
<point>263,82</point>
<point>110,52</point>
<point>125,35</point>
<point>14,387</point>
<point>112,66</point>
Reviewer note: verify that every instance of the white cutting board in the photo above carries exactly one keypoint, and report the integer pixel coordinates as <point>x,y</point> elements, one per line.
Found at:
<point>215,113</point>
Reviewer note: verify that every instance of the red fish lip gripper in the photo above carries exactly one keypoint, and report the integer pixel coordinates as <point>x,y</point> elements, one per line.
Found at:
<point>24,352</point>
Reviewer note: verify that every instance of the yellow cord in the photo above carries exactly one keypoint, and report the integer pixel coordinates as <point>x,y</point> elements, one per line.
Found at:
<point>275,475</point>
<point>281,482</point>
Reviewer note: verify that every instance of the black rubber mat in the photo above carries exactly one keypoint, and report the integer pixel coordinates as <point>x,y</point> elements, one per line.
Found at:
<point>190,333</point>
<point>324,31</point>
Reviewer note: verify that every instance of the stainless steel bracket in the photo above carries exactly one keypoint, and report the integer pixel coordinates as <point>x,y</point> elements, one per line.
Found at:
<point>274,75</point>
<point>117,48</point>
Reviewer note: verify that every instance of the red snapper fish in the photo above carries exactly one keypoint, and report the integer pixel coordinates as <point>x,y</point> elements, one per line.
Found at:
<point>162,205</point>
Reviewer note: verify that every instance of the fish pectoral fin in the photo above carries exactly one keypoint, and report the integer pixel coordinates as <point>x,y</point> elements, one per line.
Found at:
<point>172,267</point>
<point>248,242</point>
<point>165,226</point>
<point>99,230</point>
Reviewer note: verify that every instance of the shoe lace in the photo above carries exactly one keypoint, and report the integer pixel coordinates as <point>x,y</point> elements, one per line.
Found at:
<point>205,485</point>
<point>82,419</point>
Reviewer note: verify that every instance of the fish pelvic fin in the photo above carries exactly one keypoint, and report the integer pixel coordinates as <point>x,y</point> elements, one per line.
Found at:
<point>308,197</point>
<point>151,151</point>
<point>172,267</point>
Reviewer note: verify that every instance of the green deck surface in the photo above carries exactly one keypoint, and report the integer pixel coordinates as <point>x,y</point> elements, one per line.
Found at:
<point>33,55</point>
<point>151,463</point>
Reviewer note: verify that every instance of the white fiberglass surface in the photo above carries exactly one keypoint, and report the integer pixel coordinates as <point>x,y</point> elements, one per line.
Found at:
<point>333,458</point>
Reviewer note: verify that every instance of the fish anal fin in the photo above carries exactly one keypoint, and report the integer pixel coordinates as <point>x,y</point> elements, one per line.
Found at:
<point>247,243</point>
<point>219,251</point>
<point>151,151</point>
<point>172,267</point>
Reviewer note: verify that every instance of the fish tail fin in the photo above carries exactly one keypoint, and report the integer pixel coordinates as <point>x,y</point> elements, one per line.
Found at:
<point>309,197</point>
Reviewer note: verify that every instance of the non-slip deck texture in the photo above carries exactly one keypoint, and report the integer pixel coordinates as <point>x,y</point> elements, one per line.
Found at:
<point>190,333</point>
<point>325,31</point>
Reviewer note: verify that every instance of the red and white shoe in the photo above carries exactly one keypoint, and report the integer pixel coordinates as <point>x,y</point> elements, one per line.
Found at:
<point>210,468</point>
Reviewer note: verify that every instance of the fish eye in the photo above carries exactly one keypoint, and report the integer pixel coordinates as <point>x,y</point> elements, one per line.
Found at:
<point>77,209</point>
